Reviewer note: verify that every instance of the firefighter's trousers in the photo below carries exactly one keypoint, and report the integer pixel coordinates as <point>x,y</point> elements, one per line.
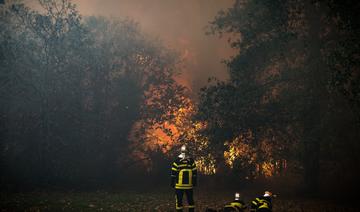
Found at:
<point>179,193</point>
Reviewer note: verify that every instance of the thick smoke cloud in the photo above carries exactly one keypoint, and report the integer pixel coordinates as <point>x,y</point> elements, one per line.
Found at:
<point>180,24</point>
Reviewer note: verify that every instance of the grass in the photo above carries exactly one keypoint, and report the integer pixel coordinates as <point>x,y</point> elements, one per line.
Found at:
<point>159,200</point>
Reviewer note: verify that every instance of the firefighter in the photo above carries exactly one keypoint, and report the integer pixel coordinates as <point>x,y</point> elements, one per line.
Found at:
<point>235,206</point>
<point>262,203</point>
<point>183,179</point>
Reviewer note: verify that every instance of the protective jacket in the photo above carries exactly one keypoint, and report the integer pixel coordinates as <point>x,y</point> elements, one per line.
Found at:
<point>235,206</point>
<point>261,204</point>
<point>183,173</point>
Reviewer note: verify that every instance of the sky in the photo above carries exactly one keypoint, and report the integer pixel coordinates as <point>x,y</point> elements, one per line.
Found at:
<point>181,25</point>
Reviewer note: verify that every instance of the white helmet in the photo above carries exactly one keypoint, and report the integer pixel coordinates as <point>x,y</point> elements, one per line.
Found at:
<point>267,194</point>
<point>183,151</point>
<point>183,148</point>
<point>237,196</point>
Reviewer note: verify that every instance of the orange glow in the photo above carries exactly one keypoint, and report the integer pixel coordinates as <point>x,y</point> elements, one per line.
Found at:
<point>178,128</point>
<point>268,169</point>
<point>240,148</point>
<point>206,164</point>
<point>164,135</point>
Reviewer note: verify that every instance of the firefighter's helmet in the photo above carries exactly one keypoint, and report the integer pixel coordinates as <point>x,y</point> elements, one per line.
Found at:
<point>183,149</point>
<point>267,194</point>
<point>237,196</point>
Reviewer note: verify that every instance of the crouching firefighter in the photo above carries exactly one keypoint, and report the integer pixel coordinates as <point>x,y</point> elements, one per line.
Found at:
<point>262,203</point>
<point>235,206</point>
<point>183,179</point>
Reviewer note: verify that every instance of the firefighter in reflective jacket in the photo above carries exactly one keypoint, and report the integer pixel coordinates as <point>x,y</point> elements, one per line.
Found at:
<point>263,203</point>
<point>235,206</point>
<point>183,179</point>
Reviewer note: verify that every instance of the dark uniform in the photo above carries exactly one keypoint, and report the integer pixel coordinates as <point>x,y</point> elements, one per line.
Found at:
<point>261,204</point>
<point>183,179</point>
<point>235,206</point>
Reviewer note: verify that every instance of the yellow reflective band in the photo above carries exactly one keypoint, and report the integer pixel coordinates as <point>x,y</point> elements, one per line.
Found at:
<point>177,203</point>
<point>190,177</point>
<point>174,169</point>
<point>236,204</point>
<point>180,179</point>
<point>174,164</point>
<point>263,201</point>
<point>254,202</point>
<point>183,186</point>
<point>264,206</point>
<point>191,206</point>
<point>181,176</point>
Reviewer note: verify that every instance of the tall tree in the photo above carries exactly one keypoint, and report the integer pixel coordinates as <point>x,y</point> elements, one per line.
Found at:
<point>279,80</point>
<point>71,90</point>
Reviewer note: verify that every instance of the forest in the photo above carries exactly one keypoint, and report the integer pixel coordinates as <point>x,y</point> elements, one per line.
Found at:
<point>92,116</point>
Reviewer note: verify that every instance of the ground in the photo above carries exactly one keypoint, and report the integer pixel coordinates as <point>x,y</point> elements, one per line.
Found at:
<point>160,200</point>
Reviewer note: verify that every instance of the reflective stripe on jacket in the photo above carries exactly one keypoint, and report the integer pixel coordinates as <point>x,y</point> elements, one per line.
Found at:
<point>184,173</point>
<point>238,206</point>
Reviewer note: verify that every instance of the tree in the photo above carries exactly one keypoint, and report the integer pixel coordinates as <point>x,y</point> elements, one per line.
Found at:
<point>279,81</point>
<point>71,91</point>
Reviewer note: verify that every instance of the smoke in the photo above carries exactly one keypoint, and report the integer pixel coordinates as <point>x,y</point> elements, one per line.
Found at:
<point>180,24</point>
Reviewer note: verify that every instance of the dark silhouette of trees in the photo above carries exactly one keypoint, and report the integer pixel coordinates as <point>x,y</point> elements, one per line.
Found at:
<point>288,84</point>
<point>71,90</point>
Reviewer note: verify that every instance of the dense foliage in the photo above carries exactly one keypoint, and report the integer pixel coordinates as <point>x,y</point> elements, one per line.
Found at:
<point>293,85</point>
<point>71,90</point>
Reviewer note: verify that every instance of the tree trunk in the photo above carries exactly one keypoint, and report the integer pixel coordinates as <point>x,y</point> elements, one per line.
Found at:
<point>316,98</point>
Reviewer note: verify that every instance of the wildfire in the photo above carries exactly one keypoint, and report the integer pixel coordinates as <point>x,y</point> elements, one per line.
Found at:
<point>242,152</point>
<point>177,126</point>
<point>168,135</point>
<point>267,168</point>
<point>206,164</point>
<point>240,148</point>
